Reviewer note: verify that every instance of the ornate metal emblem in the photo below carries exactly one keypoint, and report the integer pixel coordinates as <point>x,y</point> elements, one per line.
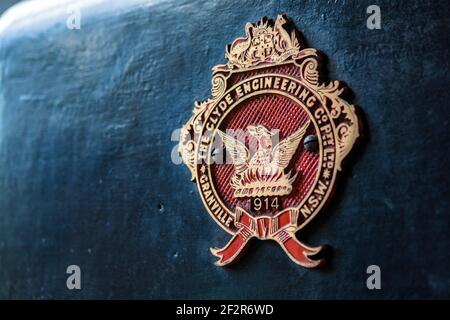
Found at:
<point>266,148</point>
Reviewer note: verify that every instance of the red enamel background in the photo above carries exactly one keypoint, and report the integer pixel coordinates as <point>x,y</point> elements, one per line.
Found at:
<point>274,112</point>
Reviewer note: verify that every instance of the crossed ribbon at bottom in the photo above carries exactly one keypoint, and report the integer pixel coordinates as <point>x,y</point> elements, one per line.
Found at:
<point>280,228</point>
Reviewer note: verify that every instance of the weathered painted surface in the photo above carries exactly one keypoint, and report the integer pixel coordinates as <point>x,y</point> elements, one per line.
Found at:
<point>86,177</point>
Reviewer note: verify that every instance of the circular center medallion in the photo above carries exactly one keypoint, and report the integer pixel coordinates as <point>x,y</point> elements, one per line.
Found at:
<point>258,130</point>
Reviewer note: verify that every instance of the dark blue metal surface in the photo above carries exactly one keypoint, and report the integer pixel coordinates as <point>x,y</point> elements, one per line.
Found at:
<point>86,176</point>
<point>5,4</point>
